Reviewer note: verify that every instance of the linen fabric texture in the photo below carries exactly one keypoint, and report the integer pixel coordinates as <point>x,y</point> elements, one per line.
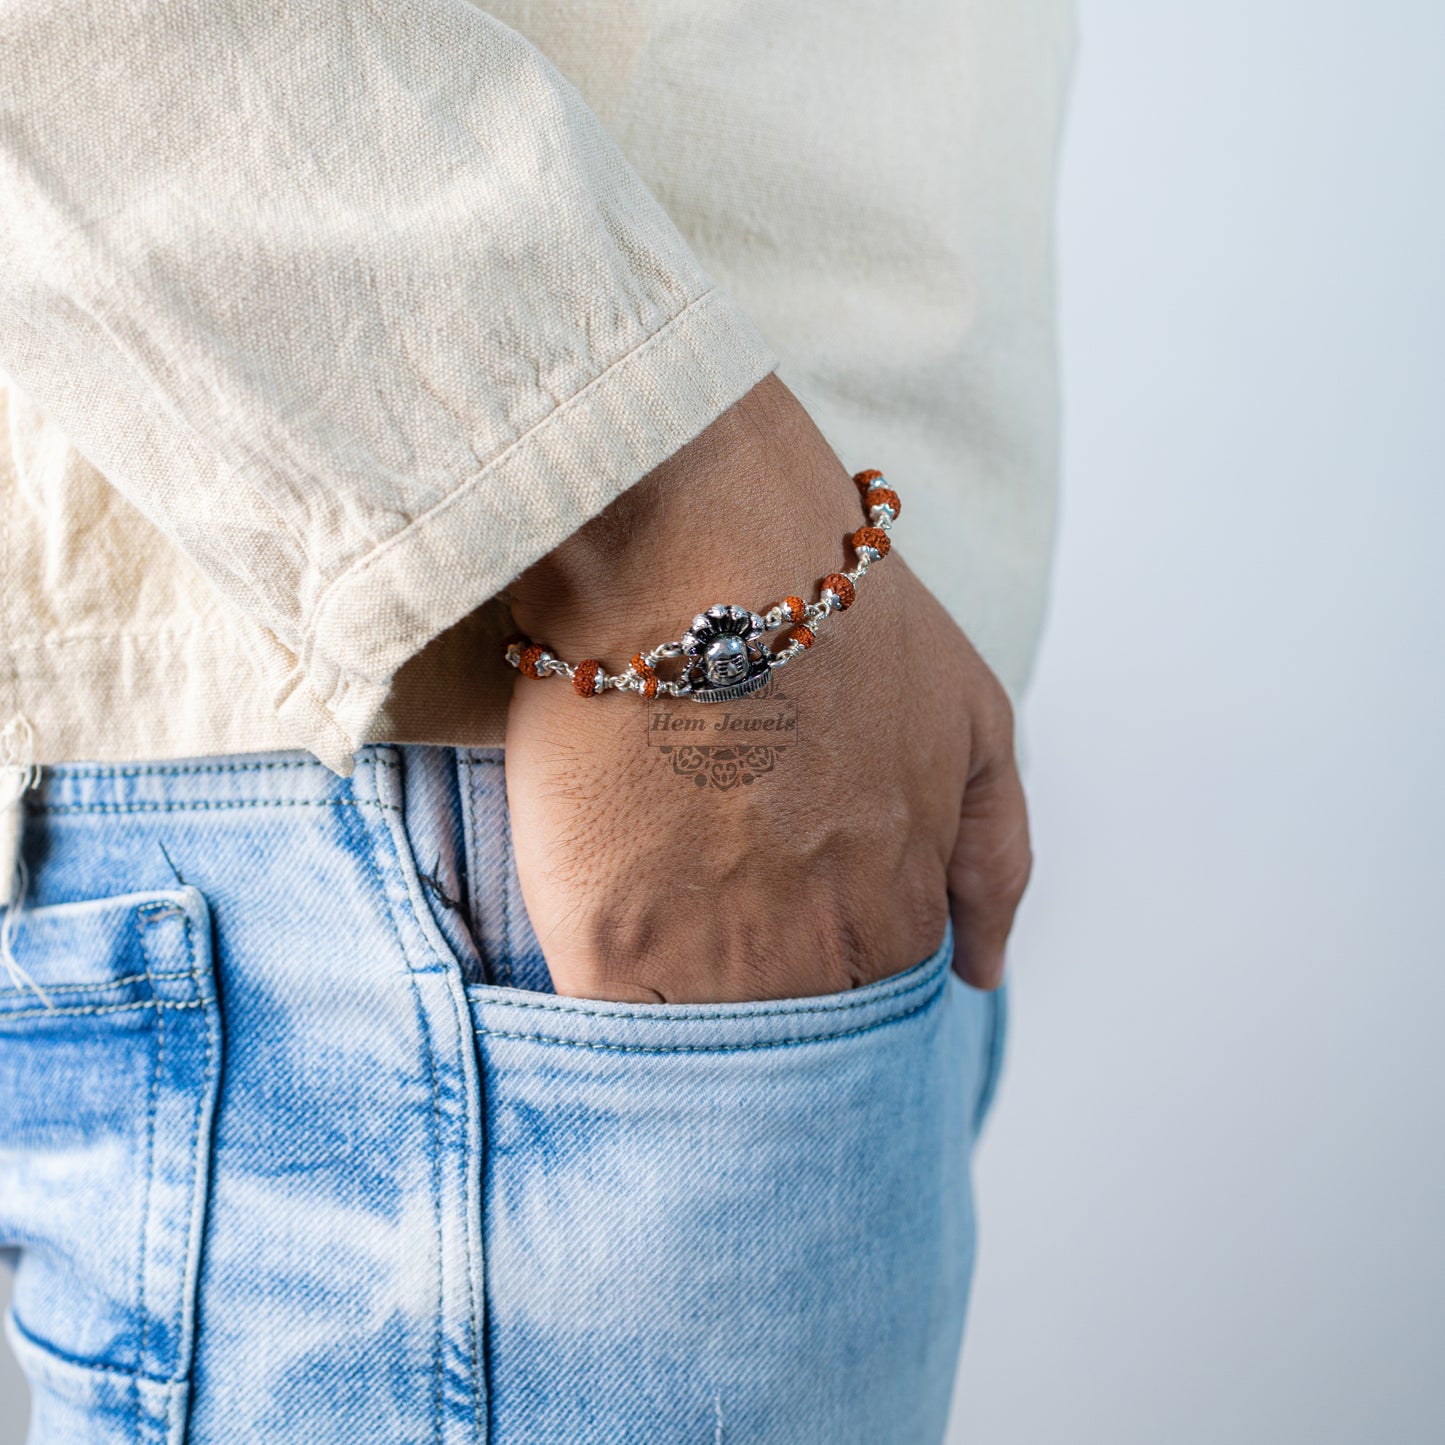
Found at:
<point>320,322</point>
<point>300,1146</point>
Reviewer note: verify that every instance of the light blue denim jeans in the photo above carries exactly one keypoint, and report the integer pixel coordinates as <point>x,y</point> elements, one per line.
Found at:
<point>301,1148</point>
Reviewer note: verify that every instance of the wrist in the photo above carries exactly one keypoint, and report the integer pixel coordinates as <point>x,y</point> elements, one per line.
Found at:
<point>754,507</point>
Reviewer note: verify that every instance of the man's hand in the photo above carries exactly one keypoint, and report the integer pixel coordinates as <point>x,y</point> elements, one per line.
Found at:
<point>898,800</point>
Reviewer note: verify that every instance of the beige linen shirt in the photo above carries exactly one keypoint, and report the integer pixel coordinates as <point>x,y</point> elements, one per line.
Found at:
<point>320,321</point>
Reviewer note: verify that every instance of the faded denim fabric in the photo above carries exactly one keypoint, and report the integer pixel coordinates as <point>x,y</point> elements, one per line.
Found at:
<point>303,1149</point>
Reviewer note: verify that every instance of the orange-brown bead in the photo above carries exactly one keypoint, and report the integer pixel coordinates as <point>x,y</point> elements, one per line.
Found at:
<point>864,480</point>
<point>584,677</point>
<point>842,589</point>
<point>646,673</point>
<point>802,634</point>
<point>882,497</point>
<point>796,608</point>
<point>530,656</point>
<point>874,537</point>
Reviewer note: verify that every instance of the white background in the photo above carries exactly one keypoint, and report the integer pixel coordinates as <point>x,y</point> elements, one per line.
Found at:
<point>1213,1191</point>
<point>1213,1194</point>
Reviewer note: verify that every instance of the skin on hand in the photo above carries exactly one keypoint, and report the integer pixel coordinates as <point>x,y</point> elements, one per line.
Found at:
<point>899,803</point>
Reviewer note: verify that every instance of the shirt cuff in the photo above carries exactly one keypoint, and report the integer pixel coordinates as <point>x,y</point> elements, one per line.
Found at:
<point>395,598</point>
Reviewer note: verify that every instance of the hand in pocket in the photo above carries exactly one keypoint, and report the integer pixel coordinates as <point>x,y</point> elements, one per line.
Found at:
<point>898,803</point>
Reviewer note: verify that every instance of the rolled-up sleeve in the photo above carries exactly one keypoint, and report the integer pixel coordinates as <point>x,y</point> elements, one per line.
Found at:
<point>358,303</point>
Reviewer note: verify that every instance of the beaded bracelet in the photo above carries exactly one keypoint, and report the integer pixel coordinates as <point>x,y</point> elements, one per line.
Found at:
<point>722,649</point>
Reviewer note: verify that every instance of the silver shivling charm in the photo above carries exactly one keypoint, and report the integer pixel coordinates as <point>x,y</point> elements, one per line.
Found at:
<point>725,655</point>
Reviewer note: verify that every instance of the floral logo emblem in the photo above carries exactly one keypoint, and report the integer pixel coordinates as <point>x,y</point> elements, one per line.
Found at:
<point>723,767</point>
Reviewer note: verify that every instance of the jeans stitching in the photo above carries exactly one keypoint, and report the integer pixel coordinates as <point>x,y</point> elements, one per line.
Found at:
<point>146,913</point>
<point>165,770</point>
<point>132,1378</point>
<point>843,1006</point>
<point>748,1047</point>
<point>97,987</point>
<point>203,807</point>
<point>374,864</point>
<point>198,1145</point>
<point>456,990</point>
<point>115,1008</point>
<point>469,847</point>
<point>470,856</point>
<point>142,922</point>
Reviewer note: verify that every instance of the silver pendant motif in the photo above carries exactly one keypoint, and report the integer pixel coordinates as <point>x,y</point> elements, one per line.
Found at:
<point>725,655</point>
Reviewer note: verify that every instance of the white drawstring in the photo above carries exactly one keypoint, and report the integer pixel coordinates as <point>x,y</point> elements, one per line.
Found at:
<point>18,774</point>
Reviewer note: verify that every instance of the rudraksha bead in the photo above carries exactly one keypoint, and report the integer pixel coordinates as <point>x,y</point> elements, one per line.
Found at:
<point>864,480</point>
<point>802,634</point>
<point>796,608</point>
<point>646,673</point>
<point>584,677</point>
<point>528,659</point>
<point>874,537</point>
<point>882,497</point>
<point>841,588</point>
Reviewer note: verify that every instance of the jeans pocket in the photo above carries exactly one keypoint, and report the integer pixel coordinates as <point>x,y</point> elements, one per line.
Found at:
<point>108,1077</point>
<point>747,1222</point>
